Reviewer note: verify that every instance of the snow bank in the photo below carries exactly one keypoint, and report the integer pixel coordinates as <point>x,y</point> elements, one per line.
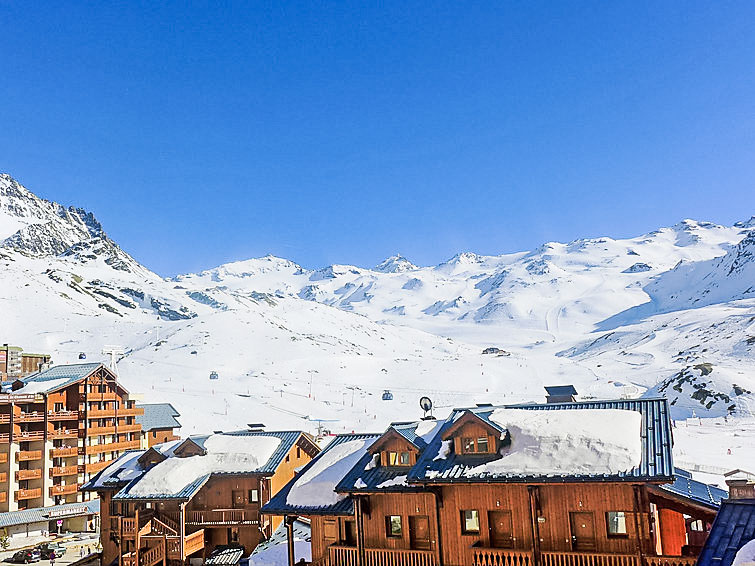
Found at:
<point>426,429</point>
<point>566,442</point>
<point>444,450</point>
<point>398,480</point>
<point>746,555</point>
<point>42,386</point>
<point>225,453</point>
<point>314,488</point>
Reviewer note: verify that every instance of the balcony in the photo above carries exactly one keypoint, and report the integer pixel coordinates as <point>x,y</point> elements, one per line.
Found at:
<point>22,494</point>
<point>62,415</point>
<point>3,496</point>
<point>223,517</point>
<point>4,438</point>
<point>102,396</point>
<point>347,556</point>
<point>112,446</point>
<point>26,455</point>
<point>102,413</point>
<point>548,558</point>
<point>22,475</point>
<point>28,436</point>
<point>3,477</point>
<point>95,467</point>
<point>35,417</point>
<point>64,489</point>
<point>64,451</point>
<point>64,433</point>
<point>3,457</point>
<point>59,471</point>
<point>4,419</point>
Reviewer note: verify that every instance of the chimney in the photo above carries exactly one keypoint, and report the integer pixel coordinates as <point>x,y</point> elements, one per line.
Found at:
<point>741,484</point>
<point>256,427</point>
<point>560,394</point>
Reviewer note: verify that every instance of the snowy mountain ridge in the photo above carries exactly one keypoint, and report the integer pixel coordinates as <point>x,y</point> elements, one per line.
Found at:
<point>671,312</point>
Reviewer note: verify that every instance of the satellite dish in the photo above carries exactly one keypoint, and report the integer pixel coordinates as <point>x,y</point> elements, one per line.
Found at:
<point>427,405</point>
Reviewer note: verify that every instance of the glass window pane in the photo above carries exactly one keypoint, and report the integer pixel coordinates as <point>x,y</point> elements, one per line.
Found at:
<point>616,523</point>
<point>482,444</point>
<point>467,445</point>
<point>393,525</point>
<point>405,458</point>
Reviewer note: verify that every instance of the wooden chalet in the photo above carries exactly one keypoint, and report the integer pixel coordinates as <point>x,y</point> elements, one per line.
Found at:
<point>184,498</point>
<point>159,423</point>
<point>557,484</point>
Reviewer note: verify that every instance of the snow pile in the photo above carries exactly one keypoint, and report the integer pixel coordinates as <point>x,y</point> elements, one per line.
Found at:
<point>359,484</point>
<point>125,468</point>
<point>566,442</point>
<point>225,453</point>
<point>398,480</point>
<point>746,555</point>
<point>42,386</point>
<point>314,488</point>
<point>426,429</point>
<point>444,450</point>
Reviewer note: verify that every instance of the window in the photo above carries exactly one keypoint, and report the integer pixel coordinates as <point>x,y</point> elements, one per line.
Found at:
<point>254,496</point>
<point>404,459</point>
<point>475,446</point>
<point>467,446</point>
<point>616,524</point>
<point>482,444</point>
<point>696,525</point>
<point>470,522</point>
<point>393,526</point>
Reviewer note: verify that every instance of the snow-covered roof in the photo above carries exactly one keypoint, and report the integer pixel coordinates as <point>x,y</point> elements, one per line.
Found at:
<point>242,452</point>
<point>313,490</point>
<point>56,377</point>
<point>274,551</point>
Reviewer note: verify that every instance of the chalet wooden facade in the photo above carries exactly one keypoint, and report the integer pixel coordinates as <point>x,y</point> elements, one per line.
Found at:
<point>182,499</point>
<point>444,493</point>
<point>58,428</point>
<point>159,424</point>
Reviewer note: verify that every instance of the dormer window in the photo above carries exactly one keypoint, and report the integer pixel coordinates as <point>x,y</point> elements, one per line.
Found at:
<point>472,445</point>
<point>399,459</point>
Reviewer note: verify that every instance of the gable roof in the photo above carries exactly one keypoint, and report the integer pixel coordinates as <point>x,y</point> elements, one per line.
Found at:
<point>57,377</point>
<point>656,460</point>
<point>227,452</point>
<point>280,505</point>
<point>733,528</point>
<point>158,416</point>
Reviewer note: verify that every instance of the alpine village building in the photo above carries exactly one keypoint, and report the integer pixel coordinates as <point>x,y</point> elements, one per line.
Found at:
<point>182,499</point>
<point>158,423</point>
<point>58,428</point>
<point>588,483</point>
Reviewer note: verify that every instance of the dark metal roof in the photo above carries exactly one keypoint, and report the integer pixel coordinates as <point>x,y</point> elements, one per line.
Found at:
<point>279,505</point>
<point>373,478</point>
<point>696,491</point>
<point>656,445</point>
<point>225,556</point>
<point>560,390</point>
<point>157,416</point>
<point>733,528</point>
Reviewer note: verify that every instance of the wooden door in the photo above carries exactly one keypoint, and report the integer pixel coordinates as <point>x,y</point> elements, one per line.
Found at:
<point>501,531</point>
<point>419,532</point>
<point>350,532</point>
<point>238,498</point>
<point>582,530</point>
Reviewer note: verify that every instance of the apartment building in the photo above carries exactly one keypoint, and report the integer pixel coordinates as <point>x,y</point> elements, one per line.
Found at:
<point>58,428</point>
<point>15,363</point>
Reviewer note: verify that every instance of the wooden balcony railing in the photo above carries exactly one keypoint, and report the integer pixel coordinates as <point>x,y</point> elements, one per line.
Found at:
<point>670,561</point>
<point>112,446</point>
<point>95,467</point>
<point>62,415</point>
<point>385,557</point>
<point>63,489</point>
<point>26,455</point>
<point>28,436</point>
<point>3,457</point>
<point>222,517</point>
<point>3,496</point>
<point>22,475</point>
<point>4,418</point>
<point>33,417</point>
<point>64,451</point>
<point>481,556</point>
<point>4,438</point>
<point>129,527</point>
<point>28,493</point>
<point>3,477</point>
<point>63,433</point>
<point>587,559</point>
<point>193,543</point>
<point>58,471</point>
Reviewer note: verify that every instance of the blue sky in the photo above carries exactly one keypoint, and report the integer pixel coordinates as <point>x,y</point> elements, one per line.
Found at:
<point>346,132</point>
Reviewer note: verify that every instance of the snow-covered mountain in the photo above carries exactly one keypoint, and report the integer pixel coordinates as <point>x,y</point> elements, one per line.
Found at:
<point>671,312</point>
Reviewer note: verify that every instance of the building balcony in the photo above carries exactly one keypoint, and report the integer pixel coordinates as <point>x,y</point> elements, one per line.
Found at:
<point>222,517</point>
<point>64,451</point>
<point>348,556</point>
<point>3,457</point>
<point>104,396</point>
<point>548,558</point>
<point>35,417</point>
<point>112,446</point>
<point>4,418</point>
<point>95,467</point>
<point>26,455</point>
<point>29,436</point>
<point>4,438</point>
<point>3,496</point>
<point>63,433</point>
<point>3,477</point>
<point>22,475</point>
<point>59,471</point>
<point>23,494</point>
<point>62,415</point>
<point>64,489</point>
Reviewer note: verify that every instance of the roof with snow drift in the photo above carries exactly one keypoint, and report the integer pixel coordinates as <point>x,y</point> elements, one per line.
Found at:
<point>231,453</point>
<point>323,473</point>
<point>57,377</point>
<point>158,416</point>
<point>733,528</point>
<point>655,447</point>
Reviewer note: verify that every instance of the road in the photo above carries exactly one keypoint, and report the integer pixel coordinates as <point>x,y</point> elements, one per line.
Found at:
<point>73,549</point>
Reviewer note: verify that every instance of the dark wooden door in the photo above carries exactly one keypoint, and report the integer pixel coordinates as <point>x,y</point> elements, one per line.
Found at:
<point>501,531</point>
<point>582,530</point>
<point>419,532</point>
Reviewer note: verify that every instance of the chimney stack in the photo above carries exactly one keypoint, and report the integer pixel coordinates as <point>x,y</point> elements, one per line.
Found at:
<point>560,394</point>
<point>741,484</point>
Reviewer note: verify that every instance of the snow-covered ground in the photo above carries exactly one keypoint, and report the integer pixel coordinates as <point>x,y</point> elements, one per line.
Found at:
<point>668,313</point>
